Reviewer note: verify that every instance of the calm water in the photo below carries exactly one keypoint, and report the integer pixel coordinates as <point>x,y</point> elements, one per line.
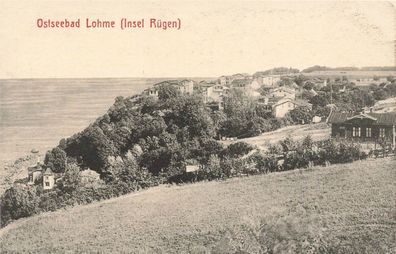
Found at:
<point>37,113</point>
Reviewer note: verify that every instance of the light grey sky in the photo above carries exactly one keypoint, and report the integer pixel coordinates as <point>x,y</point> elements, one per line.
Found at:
<point>221,37</point>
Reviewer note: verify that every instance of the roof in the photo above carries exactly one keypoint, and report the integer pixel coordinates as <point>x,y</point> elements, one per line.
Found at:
<point>302,103</point>
<point>238,82</point>
<point>48,171</point>
<point>284,89</point>
<point>35,168</point>
<point>378,118</point>
<point>172,82</point>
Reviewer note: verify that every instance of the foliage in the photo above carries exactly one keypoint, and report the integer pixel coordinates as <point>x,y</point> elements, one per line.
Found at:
<point>56,160</point>
<point>71,179</point>
<point>17,202</point>
<point>300,115</point>
<point>237,149</point>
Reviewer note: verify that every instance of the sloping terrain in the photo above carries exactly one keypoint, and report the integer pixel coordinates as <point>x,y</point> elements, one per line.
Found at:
<point>319,131</point>
<point>346,208</point>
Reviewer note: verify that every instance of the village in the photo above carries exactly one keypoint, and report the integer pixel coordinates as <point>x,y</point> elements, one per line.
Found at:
<point>278,95</point>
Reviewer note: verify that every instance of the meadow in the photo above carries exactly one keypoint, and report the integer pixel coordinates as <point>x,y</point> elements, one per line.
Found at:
<point>320,131</point>
<point>345,208</point>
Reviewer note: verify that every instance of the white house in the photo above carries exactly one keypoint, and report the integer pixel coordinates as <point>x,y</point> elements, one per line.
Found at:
<point>247,85</point>
<point>284,105</point>
<point>282,92</point>
<point>270,80</point>
<point>184,86</point>
<point>279,107</point>
<point>216,93</point>
<point>151,92</point>
<point>36,172</point>
<point>48,179</point>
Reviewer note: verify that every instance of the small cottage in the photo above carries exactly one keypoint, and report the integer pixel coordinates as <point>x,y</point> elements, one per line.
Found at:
<point>34,173</point>
<point>44,176</point>
<point>48,179</point>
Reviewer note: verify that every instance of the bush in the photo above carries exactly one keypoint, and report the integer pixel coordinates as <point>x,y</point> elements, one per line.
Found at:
<point>56,160</point>
<point>17,202</point>
<point>238,149</point>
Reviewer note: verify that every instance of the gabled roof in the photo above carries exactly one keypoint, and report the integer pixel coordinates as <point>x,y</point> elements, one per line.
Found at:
<point>362,116</point>
<point>172,82</point>
<point>238,82</point>
<point>283,88</point>
<point>48,171</point>
<point>38,167</point>
<point>378,118</point>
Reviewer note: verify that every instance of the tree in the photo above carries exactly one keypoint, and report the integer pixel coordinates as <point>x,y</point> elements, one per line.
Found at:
<point>238,109</point>
<point>56,160</point>
<point>309,85</point>
<point>301,115</point>
<point>71,179</point>
<point>17,202</point>
<point>213,167</point>
<point>166,92</point>
<point>238,149</point>
<point>93,146</point>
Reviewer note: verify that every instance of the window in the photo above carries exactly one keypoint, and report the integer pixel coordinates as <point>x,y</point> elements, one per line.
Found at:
<point>47,184</point>
<point>356,131</point>
<point>382,133</point>
<point>368,132</point>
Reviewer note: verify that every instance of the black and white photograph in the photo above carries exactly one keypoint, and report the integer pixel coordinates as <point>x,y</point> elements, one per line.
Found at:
<point>201,127</point>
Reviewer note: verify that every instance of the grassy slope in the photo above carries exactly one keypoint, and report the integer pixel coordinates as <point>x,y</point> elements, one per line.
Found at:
<point>351,206</point>
<point>319,131</point>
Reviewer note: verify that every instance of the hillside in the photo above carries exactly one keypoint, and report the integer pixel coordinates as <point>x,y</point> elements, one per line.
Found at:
<point>346,208</point>
<point>318,132</point>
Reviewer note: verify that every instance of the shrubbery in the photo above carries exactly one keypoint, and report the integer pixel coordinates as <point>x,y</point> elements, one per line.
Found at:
<point>125,175</point>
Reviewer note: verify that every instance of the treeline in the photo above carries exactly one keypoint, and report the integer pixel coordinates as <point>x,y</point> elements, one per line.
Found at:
<point>126,175</point>
<point>372,68</point>
<point>166,132</point>
<point>276,71</point>
<point>345,95</point>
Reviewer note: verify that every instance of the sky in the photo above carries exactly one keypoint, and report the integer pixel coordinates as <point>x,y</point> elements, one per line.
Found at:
<point>216,38</point>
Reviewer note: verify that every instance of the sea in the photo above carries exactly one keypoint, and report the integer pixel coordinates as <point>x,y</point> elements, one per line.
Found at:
<point>37,113</point>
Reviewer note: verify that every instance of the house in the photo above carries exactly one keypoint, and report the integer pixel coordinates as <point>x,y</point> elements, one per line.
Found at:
<point>242,83</point>
<point>286,104</point>
<point>89,176</point>
<point>247,85</point>
<point>224,80</point>
<point>151,92</point>
<point>37,172</point>
<point>34,173</point>
<point>269,80</point>
<point>184,86</point>
<point>216,94</point>
<point>316,119</point>
<point>279,107</point>
<point>48,179</point>
<point>282,92</point>
<point>363,126</point>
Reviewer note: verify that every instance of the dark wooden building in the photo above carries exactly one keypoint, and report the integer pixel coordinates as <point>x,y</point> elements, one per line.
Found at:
<point>364,126</point>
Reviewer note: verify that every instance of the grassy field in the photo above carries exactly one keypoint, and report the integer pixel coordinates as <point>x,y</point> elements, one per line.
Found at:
<point>319,131</point>
<point>346,208</point>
